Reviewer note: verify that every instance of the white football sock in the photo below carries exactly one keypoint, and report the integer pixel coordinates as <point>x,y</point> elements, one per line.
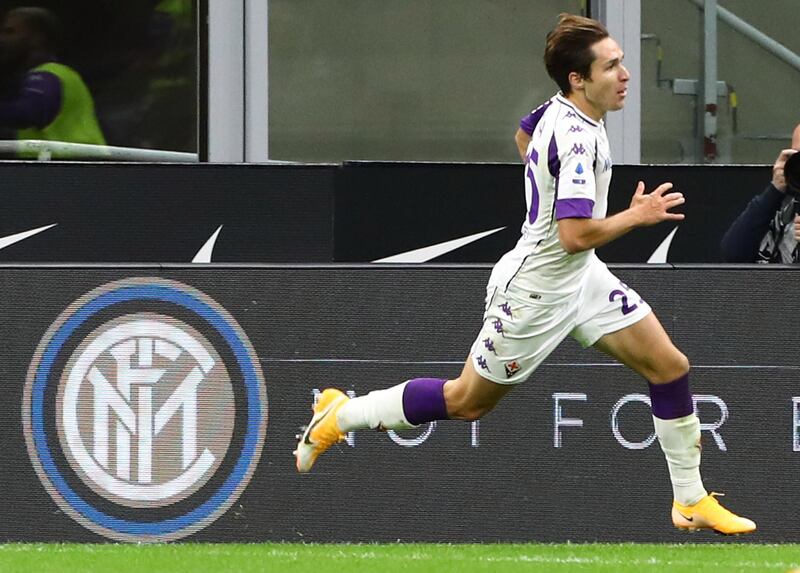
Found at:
<point>381,408</point>
<point>680,441</point>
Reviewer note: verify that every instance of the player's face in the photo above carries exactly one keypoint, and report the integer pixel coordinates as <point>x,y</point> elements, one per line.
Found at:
<point>14,39</point>
<point>607,85</point>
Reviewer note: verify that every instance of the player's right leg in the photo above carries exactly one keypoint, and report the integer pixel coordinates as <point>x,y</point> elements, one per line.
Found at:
<point>406,405</point>
<point>646,348</point>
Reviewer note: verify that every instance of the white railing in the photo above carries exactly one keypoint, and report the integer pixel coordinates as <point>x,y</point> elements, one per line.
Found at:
<point>756,35</point>
<point>47,150</point>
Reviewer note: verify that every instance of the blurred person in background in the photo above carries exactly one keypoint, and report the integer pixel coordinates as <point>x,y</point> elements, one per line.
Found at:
<point>768,230</point>
<point>43,99</point>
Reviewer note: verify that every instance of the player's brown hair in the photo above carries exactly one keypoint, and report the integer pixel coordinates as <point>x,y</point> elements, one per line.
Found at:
<point>569,48</point>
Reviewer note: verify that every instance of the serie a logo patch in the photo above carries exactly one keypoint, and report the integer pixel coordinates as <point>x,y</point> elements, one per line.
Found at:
<point>145,410</point>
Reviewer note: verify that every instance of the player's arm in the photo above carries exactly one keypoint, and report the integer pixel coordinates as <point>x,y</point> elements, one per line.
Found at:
<point>646,209</point>
<point>522,139</point>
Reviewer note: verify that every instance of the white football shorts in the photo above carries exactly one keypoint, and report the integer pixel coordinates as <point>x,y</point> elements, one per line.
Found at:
<point>521,329</point>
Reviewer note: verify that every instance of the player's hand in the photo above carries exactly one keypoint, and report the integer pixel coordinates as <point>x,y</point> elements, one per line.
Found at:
<point>654,207</point>
<point>797,228</point>
<point>778,178</point>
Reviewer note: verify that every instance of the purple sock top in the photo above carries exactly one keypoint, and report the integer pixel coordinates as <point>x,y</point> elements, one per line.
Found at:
<point>423,400</point>
<point>671,400</point>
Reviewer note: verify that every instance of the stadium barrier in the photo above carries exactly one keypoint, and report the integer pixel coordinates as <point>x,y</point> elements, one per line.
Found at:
<point>354,212</point>
<point>149,403</point>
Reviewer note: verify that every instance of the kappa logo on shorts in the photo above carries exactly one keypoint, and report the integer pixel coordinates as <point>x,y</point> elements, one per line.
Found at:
<point>498,325</point>
<point>512,368</point>
<point>145,410</point>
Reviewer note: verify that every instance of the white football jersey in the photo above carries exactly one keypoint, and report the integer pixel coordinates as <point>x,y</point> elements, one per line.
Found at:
<point>567,174</point>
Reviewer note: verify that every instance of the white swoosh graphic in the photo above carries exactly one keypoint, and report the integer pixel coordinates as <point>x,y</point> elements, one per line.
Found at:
<point>426,254</point>
<point>204,254</point>
<point>11,239</point>
<point>661,252</point>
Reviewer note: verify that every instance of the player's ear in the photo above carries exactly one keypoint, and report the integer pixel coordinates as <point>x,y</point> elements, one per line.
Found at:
<point>575,81</point>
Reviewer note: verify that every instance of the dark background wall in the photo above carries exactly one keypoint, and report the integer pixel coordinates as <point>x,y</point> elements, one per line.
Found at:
<point>355,212</point>
<point>366,327</point>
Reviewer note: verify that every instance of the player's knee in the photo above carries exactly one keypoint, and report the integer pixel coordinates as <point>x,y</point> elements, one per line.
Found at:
<point>670,369</point>
<point>682,363</point>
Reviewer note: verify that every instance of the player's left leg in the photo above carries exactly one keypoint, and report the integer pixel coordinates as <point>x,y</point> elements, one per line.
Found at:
<point>406,405</point>
<point>646,348</point>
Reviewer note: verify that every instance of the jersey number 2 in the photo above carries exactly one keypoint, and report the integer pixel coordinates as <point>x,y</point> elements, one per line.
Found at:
<point>615,294</point>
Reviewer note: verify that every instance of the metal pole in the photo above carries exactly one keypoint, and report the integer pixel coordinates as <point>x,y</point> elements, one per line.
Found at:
<point>46,150</point>
<point>256,80</point>
<point>756,35</point>
<point>226,113</point>
<point>710,81</point>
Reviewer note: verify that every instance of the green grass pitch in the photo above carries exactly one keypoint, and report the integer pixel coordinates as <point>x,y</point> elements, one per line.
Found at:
<point>400,558</point>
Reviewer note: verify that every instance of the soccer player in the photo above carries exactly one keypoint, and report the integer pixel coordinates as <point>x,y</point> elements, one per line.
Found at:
<point>552,285</point>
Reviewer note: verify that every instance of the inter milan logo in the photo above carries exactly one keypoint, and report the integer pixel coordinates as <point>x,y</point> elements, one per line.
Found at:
<point>145,410</point>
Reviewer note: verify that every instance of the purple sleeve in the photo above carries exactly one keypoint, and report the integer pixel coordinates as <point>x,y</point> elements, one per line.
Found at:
<point>36,105</point>
<point>574,208</point>
<point>528,123</point>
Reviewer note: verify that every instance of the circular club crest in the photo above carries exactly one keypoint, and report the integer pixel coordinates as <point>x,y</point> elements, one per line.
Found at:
<point>145,410</point>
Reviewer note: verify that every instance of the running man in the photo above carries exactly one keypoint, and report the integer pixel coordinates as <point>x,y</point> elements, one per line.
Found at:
<point>552,285</point>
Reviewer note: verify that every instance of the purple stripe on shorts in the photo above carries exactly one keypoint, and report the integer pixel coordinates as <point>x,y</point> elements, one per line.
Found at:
<point>423,400</point>
<point>671,400</point>
<point>574,208</point>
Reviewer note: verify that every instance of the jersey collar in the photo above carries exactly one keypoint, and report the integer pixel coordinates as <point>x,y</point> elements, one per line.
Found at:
<point>563,100</point>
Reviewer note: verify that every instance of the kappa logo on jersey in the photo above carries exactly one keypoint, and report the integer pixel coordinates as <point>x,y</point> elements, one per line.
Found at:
<point>482,363</point>
<point>575,129</point>
<point>578,149</point>
<point>512,368</point>
<point>145,410</point>
<point>571,114</point>
<point>487,342</point>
